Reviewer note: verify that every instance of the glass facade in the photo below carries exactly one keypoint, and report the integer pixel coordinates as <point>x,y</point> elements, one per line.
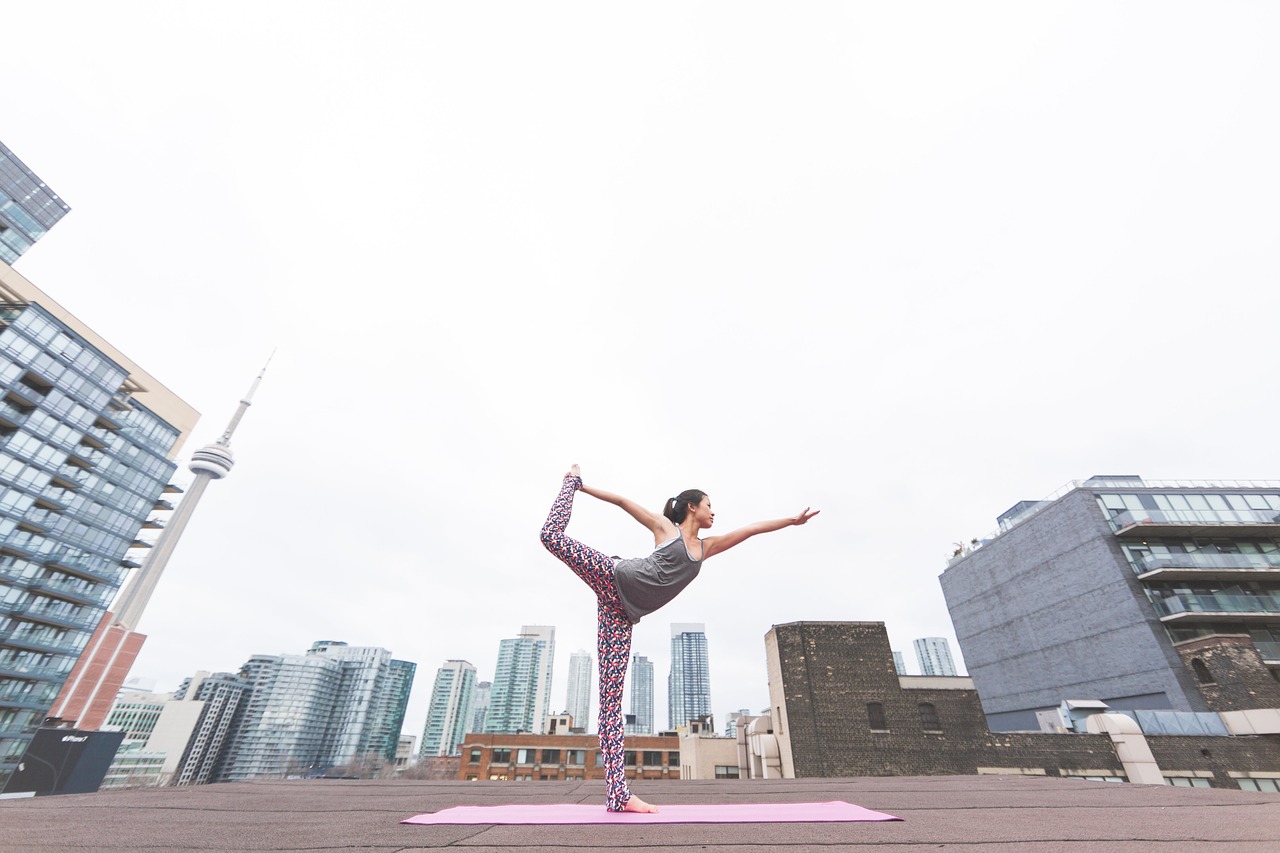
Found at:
<point>451,709</point>
<point>28,209</point>
<point>1205,559</point>
<point>641,696</point>
<point>521,694</point>
<point>689,682</point>
<point>577,699</point>
<point>82,467</point>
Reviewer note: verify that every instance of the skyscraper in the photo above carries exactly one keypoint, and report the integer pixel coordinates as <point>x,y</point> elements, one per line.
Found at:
<point>521,695</point>
<point>899,664</point>
<point>577,700</point>
<point>87,448</point>
<point>450,711</point>
<point>28,208</point>
<point>641,707</point>
<point>689,683</point>
<point>388,716</point>
<point>934,654</point>
<point>311,712</point>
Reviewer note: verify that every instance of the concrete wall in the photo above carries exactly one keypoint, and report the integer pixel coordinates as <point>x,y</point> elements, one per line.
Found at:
<point>1050,611</point>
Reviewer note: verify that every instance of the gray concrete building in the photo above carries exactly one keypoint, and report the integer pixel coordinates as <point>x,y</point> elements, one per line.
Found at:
<point>1141,594</point>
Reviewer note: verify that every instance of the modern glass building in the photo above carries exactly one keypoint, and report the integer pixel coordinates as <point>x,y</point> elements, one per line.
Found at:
<point>28,208</point>
<point>641,707</point>
<point>306,714</point>
<point>934,655</point>
<point>577,699</point>
<point>1141,594</point>
<point>224,696</point>
<point>521,695</point>
<point>450,711</point>
<point>689,682</point>
<point>87,448</point>
<point>480,708</point>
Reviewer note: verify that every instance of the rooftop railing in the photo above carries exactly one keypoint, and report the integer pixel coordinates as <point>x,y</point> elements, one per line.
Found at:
<point>1125,520</point>
<point>1208,561</point>
<point>1190,603</point>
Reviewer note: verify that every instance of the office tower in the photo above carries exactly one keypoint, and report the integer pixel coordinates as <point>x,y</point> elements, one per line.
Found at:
<point>934,655</point>
<point>480,707</point>
<point>449,713</point>
<point>115,644</point>
<point>28,208</point>
<point>731,724</point>
<point>1141,594</point>
<point>899,665</point>
<point>577,700</point>
<point>641,707</point>
<point>689,683</point>
<point>309,713</point>
<point>521,694</point>
<point>87,447</point>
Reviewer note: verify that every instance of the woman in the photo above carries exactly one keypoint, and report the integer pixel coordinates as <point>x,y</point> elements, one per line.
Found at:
<point>627,590</point>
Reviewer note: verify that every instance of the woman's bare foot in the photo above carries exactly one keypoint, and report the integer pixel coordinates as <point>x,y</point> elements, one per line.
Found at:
<point>635,804</point>
<point>574,471</point>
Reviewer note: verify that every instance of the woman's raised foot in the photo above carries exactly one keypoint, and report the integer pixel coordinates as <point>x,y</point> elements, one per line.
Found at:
<point>574,471</point>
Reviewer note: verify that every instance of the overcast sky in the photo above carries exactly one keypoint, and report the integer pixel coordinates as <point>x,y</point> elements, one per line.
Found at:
<point>906,263</point>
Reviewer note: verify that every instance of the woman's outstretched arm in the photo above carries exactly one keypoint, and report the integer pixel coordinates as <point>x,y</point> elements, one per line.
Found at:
<point>713,545</point>
<point>659,525</point>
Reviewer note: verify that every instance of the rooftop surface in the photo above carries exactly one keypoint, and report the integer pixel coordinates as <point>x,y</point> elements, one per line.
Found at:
<point>971,813</point>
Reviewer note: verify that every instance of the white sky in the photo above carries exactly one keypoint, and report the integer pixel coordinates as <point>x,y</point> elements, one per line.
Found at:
<point>907,263</point>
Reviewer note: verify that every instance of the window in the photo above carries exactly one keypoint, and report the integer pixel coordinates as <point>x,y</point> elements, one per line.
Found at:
<point>875,717</point>
<point>1202,672</point>
<point>726,772</point>
<point>1187,781</point>
<point>929,717</point>
<point>577,756</point>
<point>631,758</point>
<point>1259,785</point>
<point>652,758</point>
<point>501,756</point>
<point>550,756</point>
<point>673,759</point>
<point>475,757</point>
<point>525,756</point>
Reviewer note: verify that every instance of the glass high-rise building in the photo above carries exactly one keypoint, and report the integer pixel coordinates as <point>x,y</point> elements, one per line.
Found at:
<point>87,447</point>
<point>521,695</point>
<point>480,707</point>
<point>28,208</point>
<point>934,655</point>
<point>689,682</point>
<point>450,711</point>
<point>641,706</point>
<point>309,713</point>
<point>388,716</point>
<point>577,700</point>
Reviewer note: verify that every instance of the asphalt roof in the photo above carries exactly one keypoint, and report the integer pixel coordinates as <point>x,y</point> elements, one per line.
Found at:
<point>978,813</point>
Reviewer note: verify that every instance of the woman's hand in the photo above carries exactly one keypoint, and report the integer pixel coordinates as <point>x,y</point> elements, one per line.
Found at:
<point>804,516</point>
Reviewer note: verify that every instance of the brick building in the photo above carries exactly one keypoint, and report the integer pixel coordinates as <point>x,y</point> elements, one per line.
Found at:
<point>562,757</point>
<point>839,708</point>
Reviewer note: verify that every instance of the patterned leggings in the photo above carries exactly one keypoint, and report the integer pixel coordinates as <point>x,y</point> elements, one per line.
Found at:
<point>614,639</point>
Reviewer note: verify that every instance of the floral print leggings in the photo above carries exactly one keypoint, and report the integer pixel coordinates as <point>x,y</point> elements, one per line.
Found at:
<point>613,642</point>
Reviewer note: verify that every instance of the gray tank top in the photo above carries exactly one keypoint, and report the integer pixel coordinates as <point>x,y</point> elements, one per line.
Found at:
<point>647,583</point>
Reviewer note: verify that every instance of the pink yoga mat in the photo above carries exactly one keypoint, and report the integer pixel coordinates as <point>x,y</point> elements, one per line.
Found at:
<point>561,813</point>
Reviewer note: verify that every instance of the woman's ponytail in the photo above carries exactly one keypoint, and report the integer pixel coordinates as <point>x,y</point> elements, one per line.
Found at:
<point>677,509</point>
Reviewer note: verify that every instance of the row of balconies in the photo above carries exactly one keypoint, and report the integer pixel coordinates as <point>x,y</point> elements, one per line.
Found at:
<point>1195,522</point>
<point>1221,607</point>
<point>1206,564</point>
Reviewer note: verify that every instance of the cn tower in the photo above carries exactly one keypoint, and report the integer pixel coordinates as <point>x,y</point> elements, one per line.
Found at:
<point>90,690</point>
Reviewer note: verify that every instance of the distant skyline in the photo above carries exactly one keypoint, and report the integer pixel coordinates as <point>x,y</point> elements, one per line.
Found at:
<point>906,264</point>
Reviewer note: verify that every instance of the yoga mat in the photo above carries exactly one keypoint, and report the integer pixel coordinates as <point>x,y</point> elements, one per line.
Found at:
<point>565,813</point>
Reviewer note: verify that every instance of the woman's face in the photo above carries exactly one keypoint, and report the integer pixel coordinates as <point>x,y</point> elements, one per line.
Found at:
<point>702,513</point>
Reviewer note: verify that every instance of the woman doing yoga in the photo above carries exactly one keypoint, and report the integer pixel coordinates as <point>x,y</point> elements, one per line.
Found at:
<point>627,590</point>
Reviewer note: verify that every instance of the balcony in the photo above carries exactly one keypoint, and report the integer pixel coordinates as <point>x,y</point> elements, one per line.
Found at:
<point>31,672</point>
<point>1201,522</point>
<point>37,643</point>
<point>12,415</point>
<point>153,524</point>
<point>81,567</point>
<point>1227,567</point>
<point>12,698</point>
<point>1218,608</point>
<point>69,477</point>
<point>1270,651</point>
<point>60,618</point>
<point>75,591</point>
